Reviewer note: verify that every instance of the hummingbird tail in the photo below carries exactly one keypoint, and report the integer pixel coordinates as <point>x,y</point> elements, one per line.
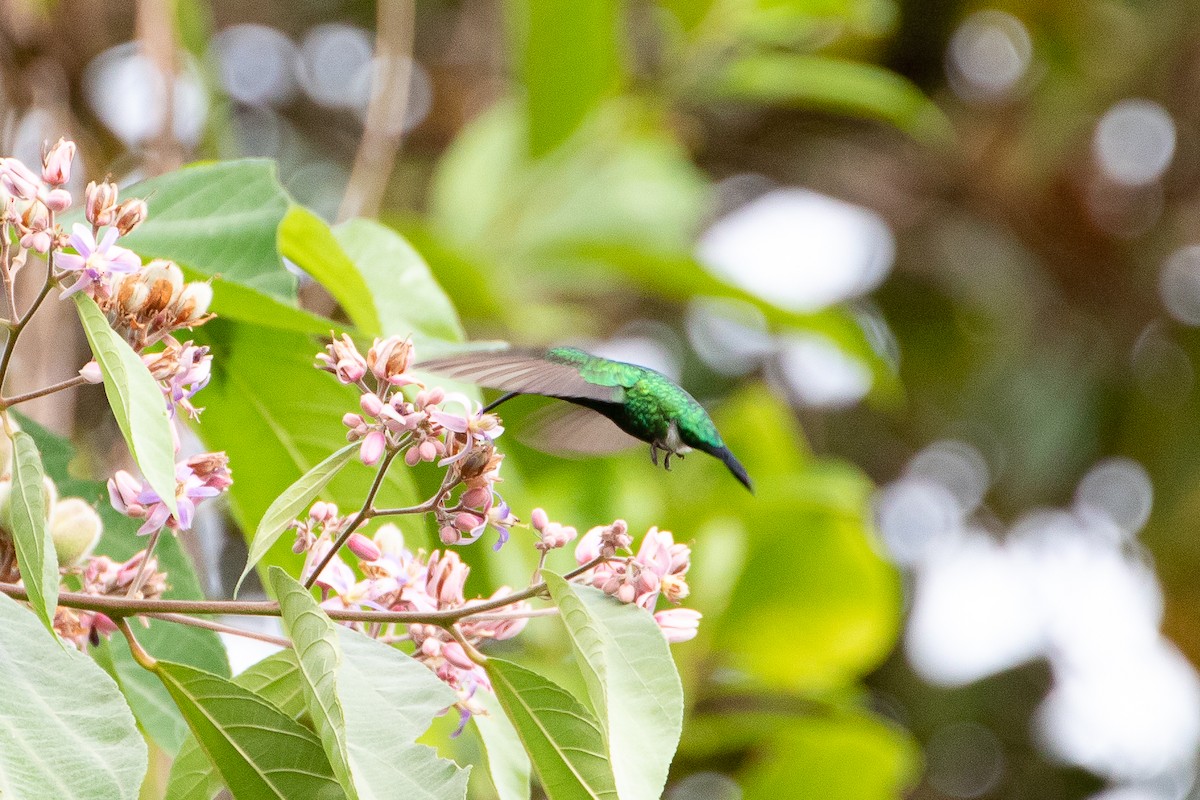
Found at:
<point>735,466</point>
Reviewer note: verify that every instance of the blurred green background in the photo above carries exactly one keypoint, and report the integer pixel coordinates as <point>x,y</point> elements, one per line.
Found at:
<point>933,265</point>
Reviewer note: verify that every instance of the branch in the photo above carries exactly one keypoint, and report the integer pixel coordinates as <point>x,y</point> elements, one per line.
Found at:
<point>364,514</point>
<point>69,383</point>
<point>183,619</point>
<point>121,607</point>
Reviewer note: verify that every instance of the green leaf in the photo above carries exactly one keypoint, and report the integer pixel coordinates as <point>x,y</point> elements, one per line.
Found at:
<point>508,763</point>
<point>381,688</point>
<point>136,401</point>
<point>562,737</point>
<point>834,84</point>
<point>65,731</point>
<point>632,683</point>
<point>291,503</point>
<point>315,639</point>
<point>260,751</point>
<point>277,417</point>
<point>809,758</point>
<point>306,241</point>
<point>31,536</point>
<point>152,705</point>
<point>356,687</point>
<point>825,603</point>
<point>569,60</point>
<point>242,303</point>
<point>407,299</point>
<point>277,680</point>
<point>219,219</point>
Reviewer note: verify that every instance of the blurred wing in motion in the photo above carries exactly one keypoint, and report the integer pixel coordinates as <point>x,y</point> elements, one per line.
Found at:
<point>565,430</point>
<point>523,372</point>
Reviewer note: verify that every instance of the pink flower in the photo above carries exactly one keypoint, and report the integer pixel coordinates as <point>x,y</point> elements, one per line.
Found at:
<point>56,163</point>
<point>678,624</point>
<point>372,447</point>
<point>196,480</point>
<point>96,261</point>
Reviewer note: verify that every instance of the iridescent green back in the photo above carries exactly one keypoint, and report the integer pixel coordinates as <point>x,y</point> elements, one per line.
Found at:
<point>651,400</point>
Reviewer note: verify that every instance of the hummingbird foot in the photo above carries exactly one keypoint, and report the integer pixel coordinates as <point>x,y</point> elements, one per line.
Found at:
<point>654,454</point>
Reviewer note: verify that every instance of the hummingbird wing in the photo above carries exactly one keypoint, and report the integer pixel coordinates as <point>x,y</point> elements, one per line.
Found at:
<point>569,430</point>
<point>526,373</point>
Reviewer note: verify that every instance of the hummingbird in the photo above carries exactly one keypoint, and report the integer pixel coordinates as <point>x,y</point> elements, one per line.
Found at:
<point>615,404</point>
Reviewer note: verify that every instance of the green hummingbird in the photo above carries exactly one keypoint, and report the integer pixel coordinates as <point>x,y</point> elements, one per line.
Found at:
<point>615,404</point>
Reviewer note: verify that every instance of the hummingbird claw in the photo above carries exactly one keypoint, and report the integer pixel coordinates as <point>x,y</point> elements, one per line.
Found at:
<point>654,454</point>
<point>667,461</point>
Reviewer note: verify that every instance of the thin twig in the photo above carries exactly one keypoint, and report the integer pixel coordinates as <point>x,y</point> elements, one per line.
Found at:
<point>139,653</point>
<point>195,622</point>
<point>19,325</point>
<point>10,292</point>
<point>69,383</point>
<point>363,515</point>
<point>141,573</point>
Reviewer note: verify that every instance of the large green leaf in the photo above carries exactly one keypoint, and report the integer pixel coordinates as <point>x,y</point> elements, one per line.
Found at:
<point>277,417</point>
<point>291,503</point>
<point>219,219</point>
<point>65,731</point>
<point>277,680</point>
<point>563,737</point>
<point>632,683</point>
<point>832,84</point>
<point>356,687</point>
<point>306,241</point>
<point>381,688</point>
<point>136,401</point>
<point>809,759</point>
<point>569,60</point>
<point>622,180</point>
<point>407,299</point>
<point>152,705</point>
<point>27,515</point>
<point>825,603</point>
<point>260,751</point>
<point>508,763</point>
<point>236,301</point>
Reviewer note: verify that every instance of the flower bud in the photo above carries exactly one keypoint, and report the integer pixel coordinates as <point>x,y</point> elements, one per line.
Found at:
<point>456,655</point>
<point>449,535</point>
<point>353,421</point>
<point>323,512</point>
<point>75,529</point>
<point>58,200</point>
<point>476,497</point>
<point>100,203</point>
<point>539,519</point>
<point>370,404</point>
<point>165,282</point>
<point>428,450</point>
<point>18,180</point>
<point>129,215</point>
<point>412,457</point>
<point>678,624</point>
<point>363,547</point>
<point>372,448</point>
<point>626,593</point>
<point>465,521</point>
<point>192,303</point>
<point>56,163</point>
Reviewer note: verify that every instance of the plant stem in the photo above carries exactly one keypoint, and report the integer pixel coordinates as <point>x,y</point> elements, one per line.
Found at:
<point>141,573</point>
<point>195,622</point>
<point>19,325</point>
<point>139,653</point>
<point>69,383</point>
<point>363,515</point>
<point>126,606</point>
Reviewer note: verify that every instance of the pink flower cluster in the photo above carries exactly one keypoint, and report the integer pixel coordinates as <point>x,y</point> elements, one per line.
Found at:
<point>104,577</point>
<point>396,579</point>
<point>420,424</point>
<point>196,479</point>
<point>658,570</point>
